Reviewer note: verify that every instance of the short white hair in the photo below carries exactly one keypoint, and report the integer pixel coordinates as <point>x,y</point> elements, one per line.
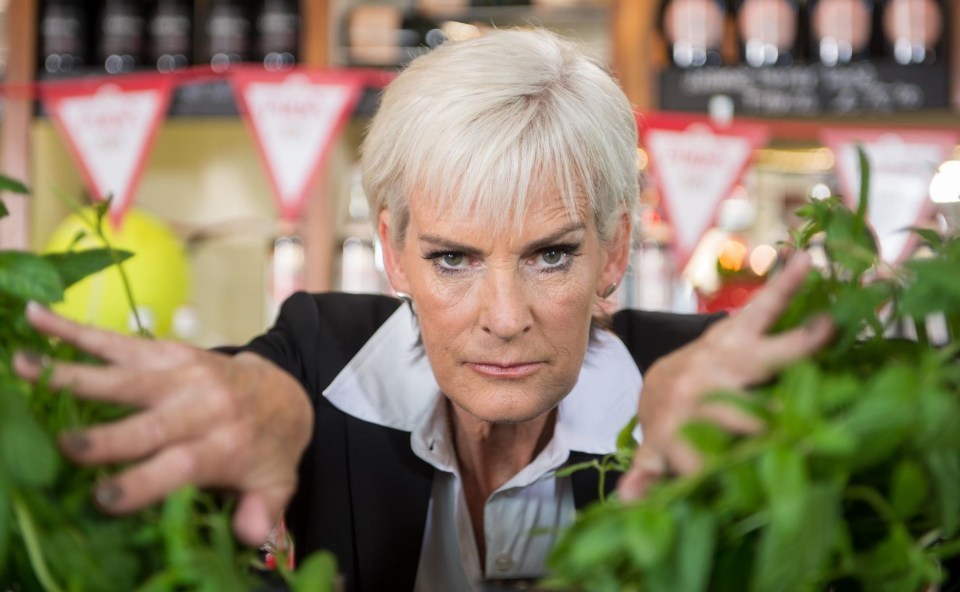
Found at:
<point>482,125</point>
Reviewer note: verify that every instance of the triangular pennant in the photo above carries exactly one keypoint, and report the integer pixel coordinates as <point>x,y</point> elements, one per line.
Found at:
<point>109,126</point>
<point>902,164</point>
<point>294,119</point>
<point>696,164</point>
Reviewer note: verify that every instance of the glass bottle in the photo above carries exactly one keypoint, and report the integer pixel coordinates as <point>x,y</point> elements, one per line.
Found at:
<point>63,37</point>
<point>694,30</point>
<point>121,36</point>
<point>170,35</point>
<point>278,33</point>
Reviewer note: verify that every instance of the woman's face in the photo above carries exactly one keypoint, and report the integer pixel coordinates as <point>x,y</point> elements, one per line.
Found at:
<point>504,316</point>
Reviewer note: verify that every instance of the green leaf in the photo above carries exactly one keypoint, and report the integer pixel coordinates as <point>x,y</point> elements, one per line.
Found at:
<point>73,266</point>
<point>929,236</point>
<point>13,186</point>
<point>27,453</point>
<point>783,475</point>
<point>317,574</point>
<point>6,522</point>
<point>908,488</point>
<point>625,440</point>
<point>944,467</point>
<point>26,276</point>
<point>688,567</point>
<point>650,534</point>
<point>707,437</point>
<point>864,198</point>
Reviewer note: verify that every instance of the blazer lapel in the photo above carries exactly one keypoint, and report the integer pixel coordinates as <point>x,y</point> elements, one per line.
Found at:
<point>391,490</point>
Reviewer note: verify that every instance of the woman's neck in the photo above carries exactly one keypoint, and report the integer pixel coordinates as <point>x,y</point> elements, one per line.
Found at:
<point>490,454</point>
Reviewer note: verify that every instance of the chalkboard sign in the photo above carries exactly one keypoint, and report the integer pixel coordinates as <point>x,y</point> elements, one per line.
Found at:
<point>809,89</point>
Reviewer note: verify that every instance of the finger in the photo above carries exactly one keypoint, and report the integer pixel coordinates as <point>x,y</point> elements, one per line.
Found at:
<point>126,386</point>
<point>257,515</point>
<point>149,481</point>
<point>771,300</point>
<point>648,466</point>
<point>780,350</point>
<point>105,345</point>
<point>140,434</point>
<point>729,417</point>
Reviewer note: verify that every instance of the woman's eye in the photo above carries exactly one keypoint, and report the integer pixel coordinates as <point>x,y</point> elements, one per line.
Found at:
<point>553,257</point>
<point>452,259</point>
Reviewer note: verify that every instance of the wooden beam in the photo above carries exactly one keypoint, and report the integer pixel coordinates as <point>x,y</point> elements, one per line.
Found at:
<point>633,28</point>
<point>17,118</point>
<point>315,43</point>
<point>318,226</point>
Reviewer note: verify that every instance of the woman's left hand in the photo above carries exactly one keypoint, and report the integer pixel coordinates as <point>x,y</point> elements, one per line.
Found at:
<point>733,354</point>
<point>230,422</point>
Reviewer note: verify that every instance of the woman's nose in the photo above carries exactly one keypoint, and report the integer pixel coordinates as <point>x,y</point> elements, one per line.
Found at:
<point>505,309</point>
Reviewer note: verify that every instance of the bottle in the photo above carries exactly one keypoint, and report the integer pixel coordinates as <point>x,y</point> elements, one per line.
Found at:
<point>63,37</point>
<point>278,33</point>
<point>228,30</point>
<point>768,31</point>
<point>121,36</point>
<point>361,260</point>
<point>384,35</point>
<point>913,30</point>
<point>840,30</point>
<point>170,35</point>
<point>693,30</point>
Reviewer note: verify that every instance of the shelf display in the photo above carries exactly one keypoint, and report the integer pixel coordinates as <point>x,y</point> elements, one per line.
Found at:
<point>170,35</point>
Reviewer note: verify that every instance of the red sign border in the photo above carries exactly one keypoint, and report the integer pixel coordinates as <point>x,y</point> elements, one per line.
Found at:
<point>242,77</point>
<point>836,138</point>
<point>52,95</point>
<point>757,134</point>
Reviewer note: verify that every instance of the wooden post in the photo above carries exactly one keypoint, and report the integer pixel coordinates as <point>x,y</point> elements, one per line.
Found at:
<point>17,117</point>
<point>318,225</point>
<point>633,26</point>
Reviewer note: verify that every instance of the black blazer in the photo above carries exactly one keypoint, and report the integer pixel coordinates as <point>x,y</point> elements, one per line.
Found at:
<point>363,493</point>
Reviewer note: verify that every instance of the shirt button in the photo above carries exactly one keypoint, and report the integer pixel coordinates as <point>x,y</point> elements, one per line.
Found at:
<point>503,562</point>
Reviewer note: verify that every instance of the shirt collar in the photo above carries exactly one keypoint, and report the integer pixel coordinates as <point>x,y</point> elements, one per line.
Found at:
<point>390,383</point>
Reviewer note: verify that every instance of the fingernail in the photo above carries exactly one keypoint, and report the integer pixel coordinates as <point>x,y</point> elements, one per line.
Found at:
<point>818,323</point>
<point>107,494</point>
<point>34,307</point>
<point>75,442</point>
<point>33,358</point>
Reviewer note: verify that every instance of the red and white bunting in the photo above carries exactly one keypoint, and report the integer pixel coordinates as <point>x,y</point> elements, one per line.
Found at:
<point>109,126</point>
<point>294,119</point>
<point>902,164</point>
<point>696,164</point>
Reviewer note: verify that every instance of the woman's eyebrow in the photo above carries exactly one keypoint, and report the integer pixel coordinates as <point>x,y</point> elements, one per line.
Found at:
<point>445,244</point>
<point>555,237</point>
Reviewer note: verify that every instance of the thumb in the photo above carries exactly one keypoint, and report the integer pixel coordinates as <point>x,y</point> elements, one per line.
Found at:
<point>257,514</point>
<point>647,468</point>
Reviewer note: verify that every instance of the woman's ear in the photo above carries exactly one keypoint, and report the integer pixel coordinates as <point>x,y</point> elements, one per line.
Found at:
<point>617,256</point>
<point>392,256</point>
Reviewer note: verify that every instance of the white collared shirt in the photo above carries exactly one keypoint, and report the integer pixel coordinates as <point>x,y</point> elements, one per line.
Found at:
<point>390,383</point>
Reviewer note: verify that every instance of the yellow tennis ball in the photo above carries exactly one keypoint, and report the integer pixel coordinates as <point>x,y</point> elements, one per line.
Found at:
<point>158,273</point>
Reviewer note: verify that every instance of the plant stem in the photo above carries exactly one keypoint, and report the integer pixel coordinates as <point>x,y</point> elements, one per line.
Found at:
<point>32,541</point>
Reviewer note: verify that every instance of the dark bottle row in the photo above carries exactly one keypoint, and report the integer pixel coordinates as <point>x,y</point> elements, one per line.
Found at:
<point>782,32</point>
<point>116,36</point>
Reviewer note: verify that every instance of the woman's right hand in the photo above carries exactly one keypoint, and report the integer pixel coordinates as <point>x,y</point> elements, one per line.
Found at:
<point>733,354</point>
<point>208,419</point>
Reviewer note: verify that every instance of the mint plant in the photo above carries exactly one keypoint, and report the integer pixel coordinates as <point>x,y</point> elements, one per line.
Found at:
<point>854,482</point>
<point>52,536</point>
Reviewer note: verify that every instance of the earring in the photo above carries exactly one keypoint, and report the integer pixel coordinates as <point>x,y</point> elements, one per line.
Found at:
<point>610,290</point>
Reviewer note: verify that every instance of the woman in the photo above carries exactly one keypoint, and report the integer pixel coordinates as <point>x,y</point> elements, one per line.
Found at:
<point>420,443</point>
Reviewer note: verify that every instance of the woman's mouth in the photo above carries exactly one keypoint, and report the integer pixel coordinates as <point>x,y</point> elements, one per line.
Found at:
<point>505,370</point>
